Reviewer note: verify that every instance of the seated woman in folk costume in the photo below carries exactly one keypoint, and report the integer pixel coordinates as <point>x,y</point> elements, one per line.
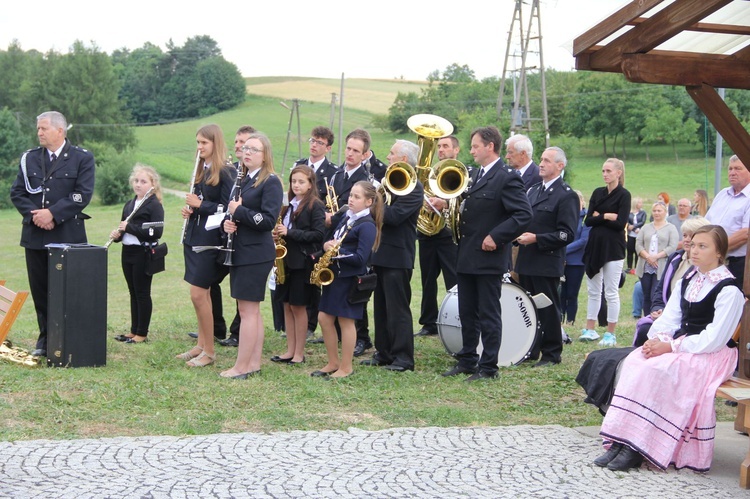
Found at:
<point>663,405</point>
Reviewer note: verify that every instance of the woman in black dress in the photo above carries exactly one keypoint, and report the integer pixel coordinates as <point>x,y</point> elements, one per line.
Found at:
<point>358,233</point>
<point>136,245</point>
<point>609,208</point>
<point>213,183</point>
<point>253,218</point>
<point>302,229</point>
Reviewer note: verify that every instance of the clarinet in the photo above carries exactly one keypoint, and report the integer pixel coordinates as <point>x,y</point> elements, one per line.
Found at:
<point>235,197</point>
<point>192,190</point>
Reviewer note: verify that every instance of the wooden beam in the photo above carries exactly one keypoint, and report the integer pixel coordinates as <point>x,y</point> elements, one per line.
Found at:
<point>621,18</point>
<point>724,29</point>
<point>726,123</point>
<point>715,71</point>
<point>656,30</point>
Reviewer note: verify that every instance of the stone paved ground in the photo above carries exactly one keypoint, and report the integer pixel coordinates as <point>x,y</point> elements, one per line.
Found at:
<point>514,461</point>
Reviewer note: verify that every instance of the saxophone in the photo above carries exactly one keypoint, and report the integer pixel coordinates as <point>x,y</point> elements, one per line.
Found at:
<point>321,274</point>
<point>280,271</point>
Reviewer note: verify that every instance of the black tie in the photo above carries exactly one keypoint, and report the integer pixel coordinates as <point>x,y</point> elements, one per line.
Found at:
<point>52,158</point>
<point>481,174</point>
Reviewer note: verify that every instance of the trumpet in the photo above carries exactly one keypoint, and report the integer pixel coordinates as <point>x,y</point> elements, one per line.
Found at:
<point>137,205</point>
<point>280,271</point>
<point>191,190</point>
<point>321,274</point>
<point>332,202</point>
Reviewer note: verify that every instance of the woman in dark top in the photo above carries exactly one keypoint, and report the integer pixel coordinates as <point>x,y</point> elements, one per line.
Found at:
<point>213,183</point>
<point>302,227</point>
<point>571,286</point>
<point>136,246</point>
<point>253,219</point>
<point>609,207</point>
<point>636,220</point>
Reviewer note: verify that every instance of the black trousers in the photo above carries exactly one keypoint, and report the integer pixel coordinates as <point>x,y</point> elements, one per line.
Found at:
<point>394,338</point>
<point>217,309</point>
<point>736,265</point>
<point>36,270</point>
<point>569,291</point>
<point>480,313</point>
<point>550,344</point>
<point>436,255</point>
<point>648,283</point>
<point>312,309</point>
<point>134,260</point>
<point>632,253</point>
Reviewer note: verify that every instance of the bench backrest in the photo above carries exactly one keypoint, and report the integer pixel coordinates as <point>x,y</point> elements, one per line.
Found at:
<point>10,307</point>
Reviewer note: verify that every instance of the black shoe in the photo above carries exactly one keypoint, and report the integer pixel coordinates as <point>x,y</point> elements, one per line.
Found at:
<point>361,347</point>
<point>397,368</point>
<point>425,332</point>
<point>230,342</point>
<point>193,335</point>
<point>373,362</point>
<point>276,358</point>
<point>39,352</point>
<point>730,403</point>
<point>316,340</point>
<point>545,363</point>
<point>133,340</point>
<point>608,456</point>
<point>459,370</point>
<point>122,337</point>
<point>321,374</point>
<point>292,363</point>
<point>481,375</point>
<point>627,458</point>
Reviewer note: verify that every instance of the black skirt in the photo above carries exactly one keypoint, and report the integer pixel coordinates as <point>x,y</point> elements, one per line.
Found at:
<point>334,300</point>
<point>296,289</point>
<point>203,269</point>
<point>248,282</point>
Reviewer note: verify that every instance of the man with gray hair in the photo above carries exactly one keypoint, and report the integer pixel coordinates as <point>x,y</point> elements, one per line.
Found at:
<point>54,184</point>
<point>518,152</point>
<point>393,262</point>
<point>541,253</point>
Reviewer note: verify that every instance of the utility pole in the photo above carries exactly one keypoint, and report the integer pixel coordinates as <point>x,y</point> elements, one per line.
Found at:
<point>520,40</point>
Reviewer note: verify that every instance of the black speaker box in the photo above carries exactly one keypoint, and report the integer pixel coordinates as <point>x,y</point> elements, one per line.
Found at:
<point>77,306</point>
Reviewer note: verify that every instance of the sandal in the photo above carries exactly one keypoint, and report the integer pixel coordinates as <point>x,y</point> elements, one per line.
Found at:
<point>200,362</point>
<point>189,354</point>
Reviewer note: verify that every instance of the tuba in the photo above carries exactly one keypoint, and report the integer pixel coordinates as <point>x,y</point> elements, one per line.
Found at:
<point>400,179</point>
<point>447,179</point>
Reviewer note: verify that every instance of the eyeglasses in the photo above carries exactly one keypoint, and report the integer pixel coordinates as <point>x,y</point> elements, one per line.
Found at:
<point>251,150</point>
<point>319,142</point>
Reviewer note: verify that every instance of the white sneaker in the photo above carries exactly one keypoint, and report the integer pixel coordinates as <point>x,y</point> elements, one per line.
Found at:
<point>588,335</point>
<point>609,340</point>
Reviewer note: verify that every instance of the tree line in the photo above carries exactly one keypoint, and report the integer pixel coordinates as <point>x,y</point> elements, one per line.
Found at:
<point>103,96</point>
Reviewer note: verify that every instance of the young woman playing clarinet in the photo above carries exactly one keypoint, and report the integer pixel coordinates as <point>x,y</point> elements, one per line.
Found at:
<point>136,245</point>
<point>302,227</point>
<point>214,179</point>
<point>253,220</point>
<point>356,235</point>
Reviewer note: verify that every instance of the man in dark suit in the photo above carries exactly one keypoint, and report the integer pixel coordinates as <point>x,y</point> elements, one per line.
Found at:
<point>518,152</point>
<point>54,184</point>
<point>321,141</point>
<point>393,262</point>
<point>437,254</point>
<point>541,254</point>
<point>495,212</point>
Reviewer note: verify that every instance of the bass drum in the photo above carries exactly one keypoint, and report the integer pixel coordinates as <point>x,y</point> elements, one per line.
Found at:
<point>520,325</point>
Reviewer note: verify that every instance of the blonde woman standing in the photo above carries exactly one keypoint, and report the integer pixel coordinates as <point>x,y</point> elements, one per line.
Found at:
<point>655,242</point>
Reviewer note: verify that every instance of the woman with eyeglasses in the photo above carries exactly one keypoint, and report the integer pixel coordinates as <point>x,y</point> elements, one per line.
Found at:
<point>253,218</point>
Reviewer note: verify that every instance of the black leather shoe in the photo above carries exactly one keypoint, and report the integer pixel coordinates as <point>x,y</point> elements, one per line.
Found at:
<point>627,458</point>
<point>397,368</point>
<point>133,340</point>
<point>361,347</point>
<point>481,375</point>
<point>230,342</point>
<point>193,335</point>
<point>373,362</point>
<point>292,363</point>
<point>544,363</point>
<point>316,340</point>
<point>321,374</point>
<point>122,337</point>
<point>425,332</point>
<point>276,358</point>
<point>459,370</point>
<point>39,352</point>
<point>608,456</point>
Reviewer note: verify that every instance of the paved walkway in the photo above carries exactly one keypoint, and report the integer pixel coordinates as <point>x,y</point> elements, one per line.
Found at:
<point>514,461</point>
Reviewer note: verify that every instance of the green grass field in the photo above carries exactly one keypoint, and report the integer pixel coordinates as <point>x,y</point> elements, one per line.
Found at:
<point>143,390</point>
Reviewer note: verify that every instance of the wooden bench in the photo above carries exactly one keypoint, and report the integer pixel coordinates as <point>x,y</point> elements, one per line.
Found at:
<point>10,307</point>
<point>722,392</point>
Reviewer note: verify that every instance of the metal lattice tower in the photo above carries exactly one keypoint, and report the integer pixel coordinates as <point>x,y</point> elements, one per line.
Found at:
<point>526,46</point>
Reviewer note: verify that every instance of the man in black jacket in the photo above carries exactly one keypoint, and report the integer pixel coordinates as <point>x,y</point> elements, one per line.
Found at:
<point>495,212</point>
<point>393,262</point>
<point>541,254</point>
<point>54,184</point>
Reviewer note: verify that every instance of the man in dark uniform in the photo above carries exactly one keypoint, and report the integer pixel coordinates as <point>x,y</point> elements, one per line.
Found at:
<point>321,141</point>
<point>437,253</point>
<point>375,168</point>
<point>54,184</point>
<point>541,254</point>
<point>393,262</point>
<point>495,212</point>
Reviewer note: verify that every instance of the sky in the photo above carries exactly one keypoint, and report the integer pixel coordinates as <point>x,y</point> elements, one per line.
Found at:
<point>382,39</point>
